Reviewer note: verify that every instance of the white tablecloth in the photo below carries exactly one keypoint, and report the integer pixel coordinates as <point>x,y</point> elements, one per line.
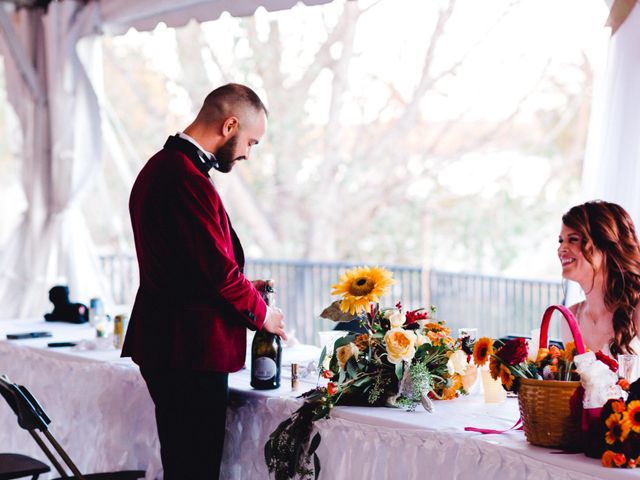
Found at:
<point>102,414</point>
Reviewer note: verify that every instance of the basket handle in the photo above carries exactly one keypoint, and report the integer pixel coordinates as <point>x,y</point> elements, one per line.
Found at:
<point>573,325</point>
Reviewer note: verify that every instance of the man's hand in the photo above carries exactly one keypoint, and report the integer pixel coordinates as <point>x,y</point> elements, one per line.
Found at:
<point>274,323</point>
<point>258,284</point>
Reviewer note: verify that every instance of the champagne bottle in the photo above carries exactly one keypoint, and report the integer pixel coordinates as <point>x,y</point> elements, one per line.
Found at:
<point>266,352</point>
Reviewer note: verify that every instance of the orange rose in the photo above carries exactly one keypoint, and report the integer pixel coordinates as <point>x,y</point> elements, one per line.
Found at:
<point>619,459</point>
<point>607,458</point>
<point>618,406</point>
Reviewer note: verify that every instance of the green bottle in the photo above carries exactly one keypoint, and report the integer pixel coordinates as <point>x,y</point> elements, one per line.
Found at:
<point>266,351</point>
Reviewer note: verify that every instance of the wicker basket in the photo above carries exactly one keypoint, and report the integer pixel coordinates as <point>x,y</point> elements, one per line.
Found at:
<point>545,404</point>
<point>546,413</point>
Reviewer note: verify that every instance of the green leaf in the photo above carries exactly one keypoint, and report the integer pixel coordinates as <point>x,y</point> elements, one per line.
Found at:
<point>346,340</point>
<point>362,381</point>
<point>352,367</point>
<point>342,377</point>
<point>316,466</point>
<point>322,355</point>
<point>399,370</point>
<point>315,441</point>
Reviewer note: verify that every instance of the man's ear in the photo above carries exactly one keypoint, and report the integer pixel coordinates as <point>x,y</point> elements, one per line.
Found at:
<point>229,126</point>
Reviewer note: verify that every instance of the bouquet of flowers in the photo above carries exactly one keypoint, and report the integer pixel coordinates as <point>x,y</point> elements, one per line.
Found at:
<point>511,360</point>
<point>402,359</point>
<point>622,431</point>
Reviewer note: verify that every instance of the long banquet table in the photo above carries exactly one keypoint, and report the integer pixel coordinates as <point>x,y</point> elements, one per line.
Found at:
<point>102,414</point>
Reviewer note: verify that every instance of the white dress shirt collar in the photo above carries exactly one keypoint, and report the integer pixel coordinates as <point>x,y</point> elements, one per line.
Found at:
<point>192,140</point>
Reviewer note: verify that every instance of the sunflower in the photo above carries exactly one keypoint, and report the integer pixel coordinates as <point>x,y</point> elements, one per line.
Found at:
<point>494,367</point>
<point>360,286</point>
<point>481,350</point>
<point>618,429</point>
<point>567,353</point>
<point>632,415</point>
<point>506,377</point>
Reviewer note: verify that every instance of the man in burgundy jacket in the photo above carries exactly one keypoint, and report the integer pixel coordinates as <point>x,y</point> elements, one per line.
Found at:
<point>189,320</point>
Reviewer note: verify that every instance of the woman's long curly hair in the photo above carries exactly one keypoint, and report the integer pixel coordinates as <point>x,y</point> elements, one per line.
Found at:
<point>609,228</point>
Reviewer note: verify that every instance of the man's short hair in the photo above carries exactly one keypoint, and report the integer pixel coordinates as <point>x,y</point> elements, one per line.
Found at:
<point>230,99</point>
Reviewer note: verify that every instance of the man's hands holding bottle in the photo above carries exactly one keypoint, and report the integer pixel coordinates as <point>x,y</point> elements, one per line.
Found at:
<point>274,322</point>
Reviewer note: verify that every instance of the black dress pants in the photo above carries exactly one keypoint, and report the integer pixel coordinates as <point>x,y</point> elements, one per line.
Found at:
<point>191,410</point>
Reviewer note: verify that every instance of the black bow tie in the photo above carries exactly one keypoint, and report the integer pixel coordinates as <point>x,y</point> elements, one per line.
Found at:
<point>201,160</point>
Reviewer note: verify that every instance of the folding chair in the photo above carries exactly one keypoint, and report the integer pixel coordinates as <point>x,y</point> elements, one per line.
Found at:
<point>33,418</point>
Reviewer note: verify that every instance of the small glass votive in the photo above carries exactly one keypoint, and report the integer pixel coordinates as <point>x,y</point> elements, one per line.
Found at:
<point>493,391</point>
<point>629,367</point>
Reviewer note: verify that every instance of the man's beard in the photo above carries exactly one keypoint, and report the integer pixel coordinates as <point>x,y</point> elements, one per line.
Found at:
<point>225,153</point>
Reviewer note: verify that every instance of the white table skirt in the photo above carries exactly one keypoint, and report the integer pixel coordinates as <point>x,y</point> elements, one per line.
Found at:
<point>102,414</point>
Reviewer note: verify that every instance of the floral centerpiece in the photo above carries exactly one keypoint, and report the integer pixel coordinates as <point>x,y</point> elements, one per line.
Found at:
<point>511,360</point>
<point>400,359</point>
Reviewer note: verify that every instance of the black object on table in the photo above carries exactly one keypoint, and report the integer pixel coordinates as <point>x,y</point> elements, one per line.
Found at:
<point>25,335</point>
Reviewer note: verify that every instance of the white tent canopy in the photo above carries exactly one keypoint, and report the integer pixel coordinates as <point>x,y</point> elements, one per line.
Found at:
<point>52,91</point>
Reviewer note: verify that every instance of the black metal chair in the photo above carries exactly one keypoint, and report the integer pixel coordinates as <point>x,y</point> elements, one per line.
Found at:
<point>33,418</point>
<point>14,465</point>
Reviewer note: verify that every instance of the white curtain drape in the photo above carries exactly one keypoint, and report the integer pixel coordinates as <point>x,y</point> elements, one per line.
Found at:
<point>612,161</point>
<point>61,154</point>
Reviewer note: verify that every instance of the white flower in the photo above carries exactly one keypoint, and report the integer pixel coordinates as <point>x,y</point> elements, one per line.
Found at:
<point>395,317</point>
<point>457,362</point>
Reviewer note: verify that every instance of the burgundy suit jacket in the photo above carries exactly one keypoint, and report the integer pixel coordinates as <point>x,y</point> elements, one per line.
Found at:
<point>194,303</point>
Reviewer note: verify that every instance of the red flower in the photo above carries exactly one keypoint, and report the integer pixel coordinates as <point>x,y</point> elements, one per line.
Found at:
<point>327,374</point>
<point>514,351</point>
<point>413,316</point>
<point>332,389</point>
<point>608,361</point>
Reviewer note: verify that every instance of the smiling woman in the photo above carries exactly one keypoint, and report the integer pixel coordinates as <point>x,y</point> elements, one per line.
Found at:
<point>599,249</point>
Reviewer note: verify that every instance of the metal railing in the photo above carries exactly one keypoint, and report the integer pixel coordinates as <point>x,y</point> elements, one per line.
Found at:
<point>495,305</point>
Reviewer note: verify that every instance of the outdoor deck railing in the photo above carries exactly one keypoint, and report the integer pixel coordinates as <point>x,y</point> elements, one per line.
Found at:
<point>495,305</point>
